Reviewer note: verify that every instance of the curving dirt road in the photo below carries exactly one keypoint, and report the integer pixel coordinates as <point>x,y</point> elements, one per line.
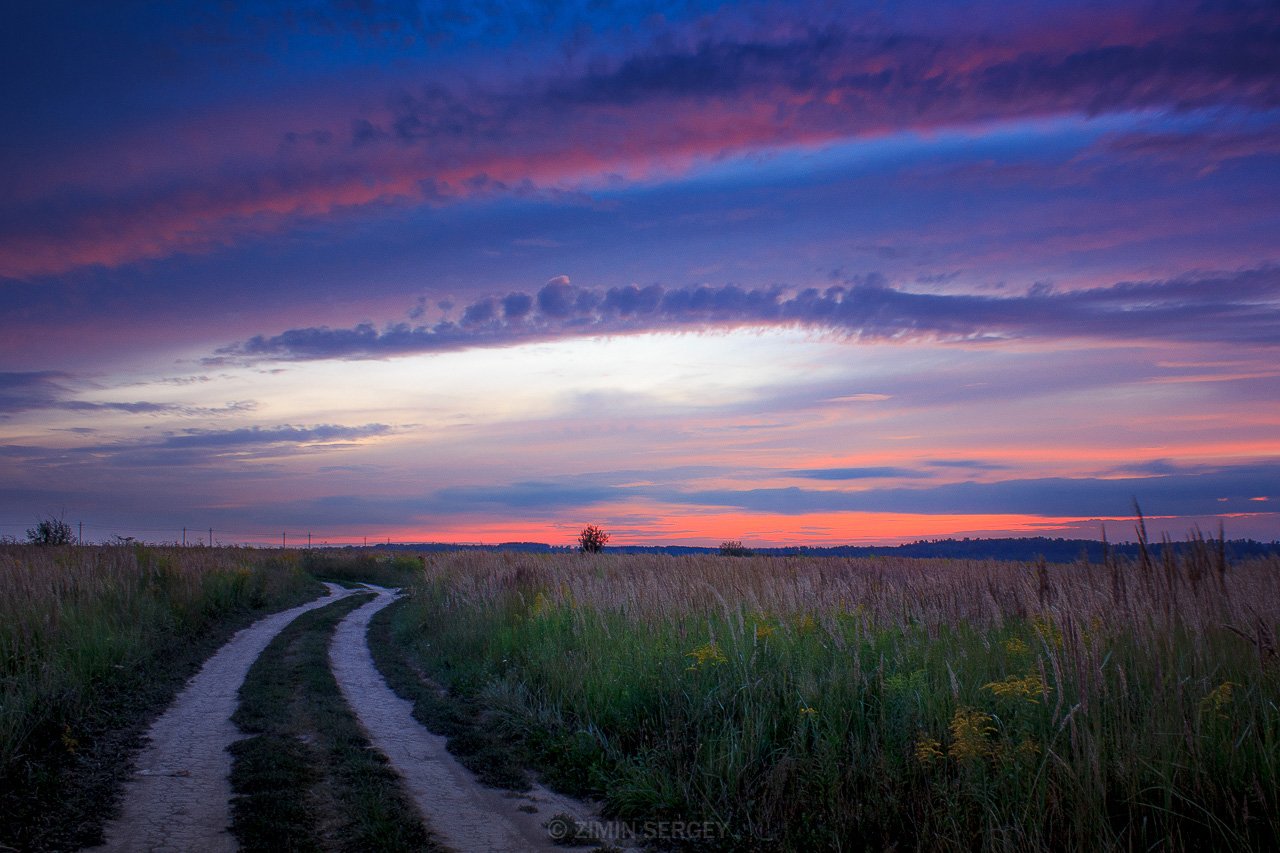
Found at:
<point>465,815</point>
<point>179,798</point>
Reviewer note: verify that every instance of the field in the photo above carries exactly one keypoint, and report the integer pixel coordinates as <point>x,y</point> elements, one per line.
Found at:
<point>849,704</point>
<point>777,703</point>
<point>94,641</point>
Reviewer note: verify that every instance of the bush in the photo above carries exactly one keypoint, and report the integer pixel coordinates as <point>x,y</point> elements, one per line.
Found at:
<point>50,531</point>
<point>734,548</point>
<point>591,540</point>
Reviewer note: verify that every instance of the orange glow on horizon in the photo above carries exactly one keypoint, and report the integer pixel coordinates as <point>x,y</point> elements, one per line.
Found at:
<point>760,529</point>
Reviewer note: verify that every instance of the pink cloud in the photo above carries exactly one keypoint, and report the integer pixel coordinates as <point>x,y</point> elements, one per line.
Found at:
<point>191,185</point>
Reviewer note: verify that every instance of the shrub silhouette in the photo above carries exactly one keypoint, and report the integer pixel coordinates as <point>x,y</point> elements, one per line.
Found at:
<point>50,531</point>
<point>735,548</point>
<point>591,540</point>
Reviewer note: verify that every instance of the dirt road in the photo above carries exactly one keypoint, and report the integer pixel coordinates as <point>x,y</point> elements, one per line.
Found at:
<point>179,797</point>
<point>466,815</point>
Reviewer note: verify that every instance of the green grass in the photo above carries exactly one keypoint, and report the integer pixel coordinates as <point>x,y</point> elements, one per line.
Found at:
<point>348,566</point>
<point>821,704</point>
<point>94,643</point>
<point>475,734</point>
<point>308,778</point>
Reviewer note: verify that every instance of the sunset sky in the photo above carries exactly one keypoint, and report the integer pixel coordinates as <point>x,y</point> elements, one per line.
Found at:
<point>790,273</point>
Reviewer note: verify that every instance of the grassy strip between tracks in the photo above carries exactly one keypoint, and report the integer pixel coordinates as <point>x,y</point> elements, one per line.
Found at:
<point>307,778</point>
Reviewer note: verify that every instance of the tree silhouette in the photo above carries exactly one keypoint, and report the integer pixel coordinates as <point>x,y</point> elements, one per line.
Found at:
<point>591,540</point>
<point>735,548</point>
<point>50,531</point>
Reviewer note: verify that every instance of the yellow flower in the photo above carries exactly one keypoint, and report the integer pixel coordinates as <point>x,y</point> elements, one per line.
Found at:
<point>763,630</point>
<point>928,750</point>
<point>1048,631</point>
<point>540,606</point>
<point>1028,748</point>
<point>1030,688</point>
<point>69,741</point>
<point>706,655</point>
<point>806,625</point>
<point>970,730</point>
<point>1016,646</point>
<point>1218,700</point>
<point>806,711</point>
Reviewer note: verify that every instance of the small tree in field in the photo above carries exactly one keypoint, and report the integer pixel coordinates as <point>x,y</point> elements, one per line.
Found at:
<point>591,540</point>
<point>734,548</point>
<point>50,531</point>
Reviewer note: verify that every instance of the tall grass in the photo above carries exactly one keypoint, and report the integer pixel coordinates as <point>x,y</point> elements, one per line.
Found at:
<point>83,628</point>
<point>850,703</point>
<point>348,566</point>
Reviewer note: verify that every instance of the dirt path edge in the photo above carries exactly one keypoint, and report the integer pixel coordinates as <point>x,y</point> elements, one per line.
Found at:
<point>466,815</point>
<point>178,798</point>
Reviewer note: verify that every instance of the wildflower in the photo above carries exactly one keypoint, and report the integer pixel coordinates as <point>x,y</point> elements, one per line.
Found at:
<point>706,655</point>
<point>69,741</point>
<point>540,606</point>
<point>1016,646</point>
<point>807,712</point>
<point>1030,688</point>
<point>928,750</point>
<point>970,730</point>
<point>764,630</point>
<point>806,624</point>
<point>1050,633</point>
<point>1218,700</point>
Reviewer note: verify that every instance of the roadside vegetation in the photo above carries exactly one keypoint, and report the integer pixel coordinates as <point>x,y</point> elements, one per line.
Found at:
<point>348,566</point>
<point>865,703</point>
<point>94,642</point>
<point>307,778</point>
<point>477,736</point>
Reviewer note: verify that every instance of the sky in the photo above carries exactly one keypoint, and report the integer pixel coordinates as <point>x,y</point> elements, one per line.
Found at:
<point>785,273</point>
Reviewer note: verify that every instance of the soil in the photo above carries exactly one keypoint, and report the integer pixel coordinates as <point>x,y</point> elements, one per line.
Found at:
<point>178,797</point>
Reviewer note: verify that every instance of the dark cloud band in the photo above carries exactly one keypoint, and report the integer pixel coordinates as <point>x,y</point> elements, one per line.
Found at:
<point>1241,307</point>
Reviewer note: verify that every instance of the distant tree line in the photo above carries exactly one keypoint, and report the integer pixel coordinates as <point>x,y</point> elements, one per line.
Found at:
<point>1020,550</point>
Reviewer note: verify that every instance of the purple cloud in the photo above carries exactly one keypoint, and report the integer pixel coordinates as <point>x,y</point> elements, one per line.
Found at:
<point>254,436</point>
<point>1241,307</point>
<point>663,104</point>
<point>1195,492</point>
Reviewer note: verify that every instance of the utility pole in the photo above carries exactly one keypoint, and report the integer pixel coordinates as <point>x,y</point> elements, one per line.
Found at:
<point>308,540</point>
<point>184,537</point>
<point>284,537</point>
<point>210,537</point>
<point>81,537</point>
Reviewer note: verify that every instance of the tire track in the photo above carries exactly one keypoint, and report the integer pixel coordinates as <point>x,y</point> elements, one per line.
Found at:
<point>179,797</point>
<point>464,814</point>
